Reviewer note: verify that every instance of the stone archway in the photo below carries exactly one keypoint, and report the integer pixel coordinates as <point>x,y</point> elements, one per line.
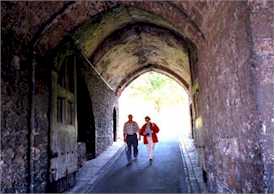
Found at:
<point>204,78</point>
<point>140,47</point>
<point>109,17</point>
<point>231,74</point>
<point>147,94</point>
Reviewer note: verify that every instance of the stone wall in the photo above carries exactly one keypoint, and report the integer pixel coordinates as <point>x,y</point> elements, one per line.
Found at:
<point>39,125</point>
<point>15,112</point>
<point>227,105</point>
<point>103,100</point>
<point>262,64</point>
<point>25,118</point>
<point>81,154</point>
<point>25,127</point>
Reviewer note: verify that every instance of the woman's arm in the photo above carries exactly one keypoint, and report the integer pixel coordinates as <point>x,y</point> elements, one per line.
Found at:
<point>141,131</point>
<point>155,128</point>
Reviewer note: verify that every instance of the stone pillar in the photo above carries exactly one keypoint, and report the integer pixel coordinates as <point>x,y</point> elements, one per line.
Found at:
<point>262,63</point>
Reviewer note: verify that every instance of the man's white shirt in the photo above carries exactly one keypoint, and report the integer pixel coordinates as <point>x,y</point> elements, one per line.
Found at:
<point>130,128</point>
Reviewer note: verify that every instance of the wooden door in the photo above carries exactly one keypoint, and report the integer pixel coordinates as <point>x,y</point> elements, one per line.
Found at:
<point>63,133</point>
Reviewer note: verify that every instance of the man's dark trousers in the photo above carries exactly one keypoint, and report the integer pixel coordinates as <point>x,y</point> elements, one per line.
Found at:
<point>131,141</point>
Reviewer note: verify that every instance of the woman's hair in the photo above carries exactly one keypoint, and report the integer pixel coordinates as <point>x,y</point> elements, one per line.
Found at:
<point>147,117</point>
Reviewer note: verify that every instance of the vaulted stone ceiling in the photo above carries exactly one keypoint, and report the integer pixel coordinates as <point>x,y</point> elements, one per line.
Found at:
<point>126,42</point>
<point>90,23</point>
<point>137,47</point>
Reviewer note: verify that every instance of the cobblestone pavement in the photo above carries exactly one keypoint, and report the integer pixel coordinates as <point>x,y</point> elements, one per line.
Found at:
<point>174,170</point>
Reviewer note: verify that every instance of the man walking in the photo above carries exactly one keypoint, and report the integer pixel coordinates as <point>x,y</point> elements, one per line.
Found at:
<point>130,131</point>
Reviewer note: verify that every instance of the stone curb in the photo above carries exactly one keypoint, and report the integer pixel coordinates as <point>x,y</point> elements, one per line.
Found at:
<point>95,169</point>
<point>194,178</point>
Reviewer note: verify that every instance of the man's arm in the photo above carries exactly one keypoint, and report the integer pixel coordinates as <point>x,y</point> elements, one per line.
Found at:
<point>124,132</point>
<point>137,130</point>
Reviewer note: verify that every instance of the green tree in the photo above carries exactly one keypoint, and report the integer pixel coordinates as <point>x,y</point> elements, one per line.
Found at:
<point>156,89</point>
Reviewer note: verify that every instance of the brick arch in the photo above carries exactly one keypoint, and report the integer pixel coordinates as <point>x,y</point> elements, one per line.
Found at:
<point>155,68</point>
<point>76,15</point>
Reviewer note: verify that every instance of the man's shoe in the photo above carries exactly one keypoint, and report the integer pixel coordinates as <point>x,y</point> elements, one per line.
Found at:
<point>129,163</point>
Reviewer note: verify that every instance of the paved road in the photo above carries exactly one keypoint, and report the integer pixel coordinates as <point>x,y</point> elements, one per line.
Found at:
<point>165,175</point>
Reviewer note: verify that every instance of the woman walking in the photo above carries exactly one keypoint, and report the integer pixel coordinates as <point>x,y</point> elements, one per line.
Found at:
<point>149,132</point>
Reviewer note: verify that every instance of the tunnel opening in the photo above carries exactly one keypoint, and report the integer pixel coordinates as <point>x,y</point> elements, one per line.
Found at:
<point>141,47</point>
<point>121,52</point>
<point>163,99</point>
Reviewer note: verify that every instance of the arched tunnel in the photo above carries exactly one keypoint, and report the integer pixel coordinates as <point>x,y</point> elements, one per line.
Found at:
<point>64,65</point>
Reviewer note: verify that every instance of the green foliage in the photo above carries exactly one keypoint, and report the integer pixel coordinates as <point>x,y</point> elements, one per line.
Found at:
<point>156,89</point>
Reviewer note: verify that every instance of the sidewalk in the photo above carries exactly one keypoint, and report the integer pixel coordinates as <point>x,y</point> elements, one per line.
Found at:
<point>191,166</point>
<point>94,170</point>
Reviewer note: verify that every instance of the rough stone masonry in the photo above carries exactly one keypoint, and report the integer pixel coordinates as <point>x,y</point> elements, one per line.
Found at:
<point>220,51</point>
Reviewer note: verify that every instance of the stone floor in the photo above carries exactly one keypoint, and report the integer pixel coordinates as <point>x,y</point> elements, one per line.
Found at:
<point>174,170</point>
<point>191,164</point>
<point>95,169</point>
